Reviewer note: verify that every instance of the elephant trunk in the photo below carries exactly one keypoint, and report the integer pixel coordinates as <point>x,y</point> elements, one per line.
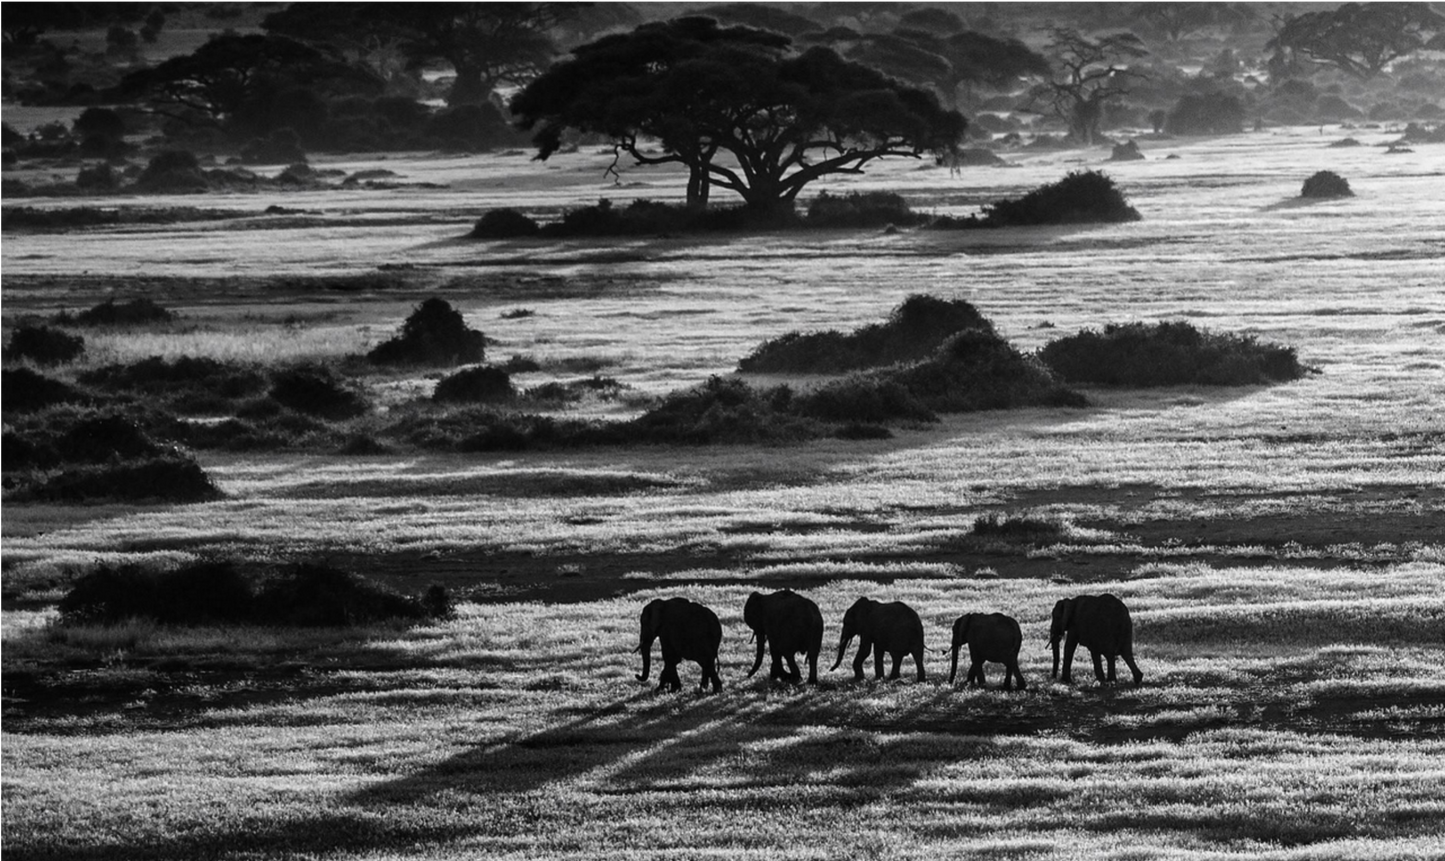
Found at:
<point>758,662</point>
<point>953,667</point>
<point>1055,645</point>
<point>646,649</point>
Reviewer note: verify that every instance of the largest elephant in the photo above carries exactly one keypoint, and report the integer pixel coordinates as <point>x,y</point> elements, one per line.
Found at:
<point>893,628</point>
<point>689,632</point>
<point>1099,623</point>
<point>788,624</point>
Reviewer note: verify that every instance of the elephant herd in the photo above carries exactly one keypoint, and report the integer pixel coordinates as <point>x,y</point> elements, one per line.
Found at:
<point>789,624</point>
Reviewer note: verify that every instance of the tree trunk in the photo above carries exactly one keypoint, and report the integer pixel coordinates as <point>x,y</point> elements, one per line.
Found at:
<point>697,186</point>
<point>469,88</point>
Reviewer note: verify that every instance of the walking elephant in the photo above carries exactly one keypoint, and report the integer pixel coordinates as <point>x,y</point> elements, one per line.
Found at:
<point>788,624</point>
<point>893,628</point>
<point>993,637</point>
<point>1099,623</point>
<point>688,631</point>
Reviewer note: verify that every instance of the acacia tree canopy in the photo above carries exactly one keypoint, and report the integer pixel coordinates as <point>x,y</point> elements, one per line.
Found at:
<point>1359,38</point>
<point>486,43</point>
<point>699,89</point>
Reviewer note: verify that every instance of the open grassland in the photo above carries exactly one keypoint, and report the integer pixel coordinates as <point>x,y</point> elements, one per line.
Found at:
<point>1281,547</point>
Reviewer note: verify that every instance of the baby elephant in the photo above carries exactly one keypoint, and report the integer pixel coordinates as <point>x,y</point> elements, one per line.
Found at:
<point>993,637</point>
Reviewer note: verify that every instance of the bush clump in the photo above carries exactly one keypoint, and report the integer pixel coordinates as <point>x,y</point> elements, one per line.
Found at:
<point>861,209</point>
<point>201,593</point>
<point>44,345</point>
<point>722,410</point>
<point>216,592</point>
<point>187,384</point>
<point>132,312</point>
<point>316,391</point>
<point>1080,197</point>
<point>1168,354</point>
<point>504,224</point>
<point>434,334</point>
<point>913,331</point>
<point>475,385</point>
<point>25,391</point>
<point>169,478</point>
<point>1326,183</point>
<point>174,172</point>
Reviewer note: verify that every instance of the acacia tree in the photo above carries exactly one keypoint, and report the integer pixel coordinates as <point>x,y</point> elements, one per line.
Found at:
<point>698,90</point>
<point>487,44</point>
<point>1089,74</point>
<point>223,75</point>
<point>1359,38</point>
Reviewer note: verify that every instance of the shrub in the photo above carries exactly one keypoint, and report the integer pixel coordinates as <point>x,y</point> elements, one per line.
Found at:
<point>44,345</point>
<point>978,370</point>
<point>132,312</point>
<point>316,391</point>
<point>1326,183</point>
<point>23,391</point>
<point>200,593</point>
<point>434,334</point>
<point>99,121</point>
<point>863,399</point>
<point>504,224</point>
<point>1080,197</point>
<point>914,330</point>
<point>475,385</point>
<point>102,438</point>
<point>172,171</point>
<point>1168,354</point>
<point>186,384</point>
<point>169,479</point>
<point>1017,527</point>
<point>1206,114</point>
<point>860,209</point>
<point>722,410</point>
<point>97,177</point>
<point>309,595</point>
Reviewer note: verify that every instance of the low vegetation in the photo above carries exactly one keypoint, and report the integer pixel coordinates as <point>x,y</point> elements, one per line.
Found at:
<point>913,331</point>
<point>131,312</point>
<point>434,334</point>
<point>44,345</point>
<point>1168,354</point>
<point>216,592</point>
<point>1080,197</point>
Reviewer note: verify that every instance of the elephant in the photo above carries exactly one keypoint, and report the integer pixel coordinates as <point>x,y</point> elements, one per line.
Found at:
<point>1099,623</point>
<point>788,624</point>
<point>893,628</point>
<point>689,631</point>
<point>993,637</point>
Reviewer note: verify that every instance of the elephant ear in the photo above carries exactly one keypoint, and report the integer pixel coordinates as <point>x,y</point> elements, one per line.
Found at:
<point>753,610</point>
<point>651,617</point>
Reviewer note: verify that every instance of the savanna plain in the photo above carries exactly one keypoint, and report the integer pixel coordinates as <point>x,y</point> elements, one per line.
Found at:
<point>1280,547</point>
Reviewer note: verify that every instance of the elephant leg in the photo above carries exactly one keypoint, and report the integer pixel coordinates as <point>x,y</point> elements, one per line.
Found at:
<point>1129,659</point>
<point>1098,665</point>
<point>863,648</point>
<point>1070,645</point>
<point>1014,669</point>
<point>670,678</point>
<point>793,675</point>
<point>716,678</point>
<point>897,661</point>
<point>877,661</point>
<point>776,672</point>
<point>976,677</point>
<point>918,661</point>
<point>812,668</point>
<point>1113,676</point>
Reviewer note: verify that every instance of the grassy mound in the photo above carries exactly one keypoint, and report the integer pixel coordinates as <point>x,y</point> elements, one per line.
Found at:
<point>434,334</point>
<point>475,385</point>
<point>974,370</point>
<point>861,209</point>
<point>723,410</point>
<point>170,478</point>
<point>316,391</point>
<point>913,331</point>
<point>25,391</point>
<point>1081,197</point>
<point>44,345</point>
<point>504,224</point>
<point>216,592</point>
<point>133,312</point>
<point>1168,354</point>
<point>184,385</point>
